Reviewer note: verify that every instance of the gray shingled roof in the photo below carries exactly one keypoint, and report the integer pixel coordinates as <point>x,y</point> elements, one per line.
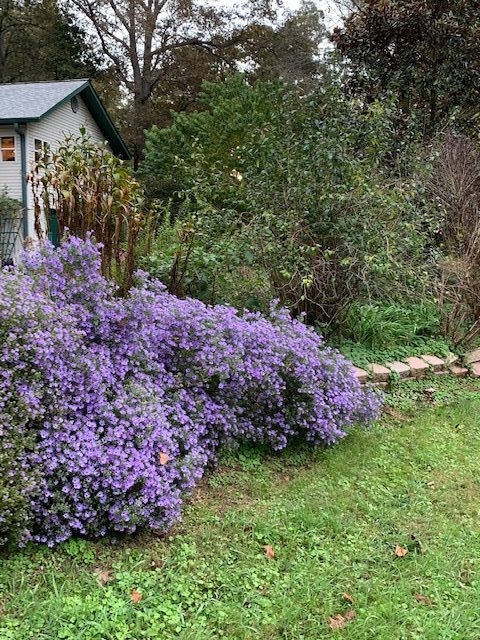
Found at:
<point>31,100</point>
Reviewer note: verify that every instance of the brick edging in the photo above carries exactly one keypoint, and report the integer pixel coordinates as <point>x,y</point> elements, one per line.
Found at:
<point>417,367</point>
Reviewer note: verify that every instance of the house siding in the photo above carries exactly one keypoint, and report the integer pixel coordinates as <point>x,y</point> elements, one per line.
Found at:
<point>60,123</point>
<point>10,172</point>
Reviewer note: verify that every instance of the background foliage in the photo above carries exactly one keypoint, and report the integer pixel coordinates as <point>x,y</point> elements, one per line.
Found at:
<point>426,52</point>
<point>305,189</point>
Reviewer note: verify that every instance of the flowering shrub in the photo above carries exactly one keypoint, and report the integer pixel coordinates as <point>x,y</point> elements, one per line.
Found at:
<point>121,403</point>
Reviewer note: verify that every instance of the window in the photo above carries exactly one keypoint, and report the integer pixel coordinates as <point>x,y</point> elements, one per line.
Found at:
<point>7,144</point>
<point>41,149</point>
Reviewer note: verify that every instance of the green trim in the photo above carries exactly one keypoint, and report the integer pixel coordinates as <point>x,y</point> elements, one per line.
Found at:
<point>53,231</point>
<point>18,120</point>
<point>23,163</point>
<point>100,114</point>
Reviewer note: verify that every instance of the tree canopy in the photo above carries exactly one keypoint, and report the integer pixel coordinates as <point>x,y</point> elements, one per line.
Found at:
<point>426,51</point>
<point>44,32</point>
<point>162,50</point>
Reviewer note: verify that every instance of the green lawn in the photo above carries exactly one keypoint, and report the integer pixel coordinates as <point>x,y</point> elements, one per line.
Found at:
<point>333,517</point>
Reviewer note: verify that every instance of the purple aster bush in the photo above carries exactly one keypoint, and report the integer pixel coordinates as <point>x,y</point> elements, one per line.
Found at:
<point>112,408</point>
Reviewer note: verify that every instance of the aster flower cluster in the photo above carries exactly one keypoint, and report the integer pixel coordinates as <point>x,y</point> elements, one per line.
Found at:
<point>112,408</point>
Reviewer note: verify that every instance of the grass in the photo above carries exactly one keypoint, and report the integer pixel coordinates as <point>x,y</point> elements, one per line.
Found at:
<point>333,517</point>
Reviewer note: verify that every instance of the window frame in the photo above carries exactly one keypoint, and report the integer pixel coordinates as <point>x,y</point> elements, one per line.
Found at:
<point>4,148</point>
<point>41,152</point>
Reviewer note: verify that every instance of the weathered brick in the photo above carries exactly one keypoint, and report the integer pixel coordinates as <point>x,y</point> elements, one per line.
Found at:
<point>361,374</point>
<point>437,364</point>
<point>418,366</point>
<point>458,372</point>
<point>400,368</point>
<point>473,356</point>
<point>476,369</point>
<point>378,373</point>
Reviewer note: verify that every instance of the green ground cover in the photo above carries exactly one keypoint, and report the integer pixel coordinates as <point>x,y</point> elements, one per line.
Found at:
<point>333,519</point>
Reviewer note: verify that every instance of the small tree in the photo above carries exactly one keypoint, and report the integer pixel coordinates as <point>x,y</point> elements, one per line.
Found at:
<point>90,190</point>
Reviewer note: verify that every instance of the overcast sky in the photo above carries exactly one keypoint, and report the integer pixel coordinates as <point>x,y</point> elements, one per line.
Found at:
<point>333,14</point>
<point>329,8</point>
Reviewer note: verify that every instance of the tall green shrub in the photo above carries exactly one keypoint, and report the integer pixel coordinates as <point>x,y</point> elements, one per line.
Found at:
<point>315,189</point>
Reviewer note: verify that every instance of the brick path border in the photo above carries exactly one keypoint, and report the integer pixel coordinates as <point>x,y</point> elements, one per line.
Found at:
<point>417,367</point>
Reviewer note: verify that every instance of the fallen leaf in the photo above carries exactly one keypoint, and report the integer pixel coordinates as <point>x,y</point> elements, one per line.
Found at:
<point>163,458</point>
<point>348,597</point>
<point>336,622</point>
<point>269,551</point>
<point>400,552</point>
<point>136,596</point>
<point>103,576</point>
<point>422,599</point>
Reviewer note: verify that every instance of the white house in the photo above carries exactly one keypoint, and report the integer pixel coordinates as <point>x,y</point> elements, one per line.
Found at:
<point>35,114</point>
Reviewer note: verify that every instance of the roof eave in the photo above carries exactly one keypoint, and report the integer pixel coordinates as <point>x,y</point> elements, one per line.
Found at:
<point>100,115</point>
<point>18,120</point>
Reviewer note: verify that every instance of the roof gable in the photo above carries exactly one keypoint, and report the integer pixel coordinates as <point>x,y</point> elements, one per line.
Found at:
<point>25,101</point>
<point>32,101</point>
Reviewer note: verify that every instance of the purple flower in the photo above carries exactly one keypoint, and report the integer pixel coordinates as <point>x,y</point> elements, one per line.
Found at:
<point>100,386</point>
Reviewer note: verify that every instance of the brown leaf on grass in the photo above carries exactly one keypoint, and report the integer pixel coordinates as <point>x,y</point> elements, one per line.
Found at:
<point>348,597</point>
<point>400,552</point>
<point>423,599</point>
<point>269,551</point>
<point>103,576</point>
<point>163,458</point>
<point>337,622</point>
<point>136,596</point>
